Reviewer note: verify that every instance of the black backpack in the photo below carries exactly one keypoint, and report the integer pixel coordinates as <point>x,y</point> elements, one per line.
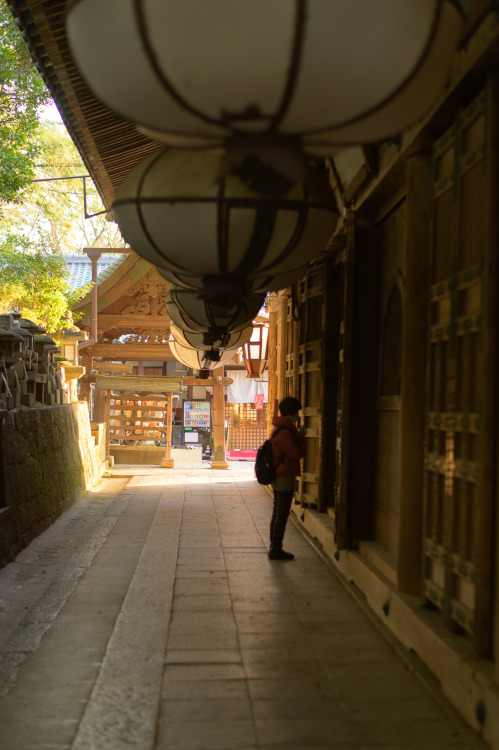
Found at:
<point>265,471</point>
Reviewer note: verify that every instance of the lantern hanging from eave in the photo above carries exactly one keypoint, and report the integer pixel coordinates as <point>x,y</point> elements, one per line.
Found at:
<point>178,209</point>
<point>228,313</point>
<point>224,342</point>
<point>198,359</point>
<point>256,350</point>
<point>324,71</point>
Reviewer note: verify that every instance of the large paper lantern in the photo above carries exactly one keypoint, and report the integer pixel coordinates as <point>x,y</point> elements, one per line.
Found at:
<point>225,342</point>
<point>198,359</point>
<point>324,71</point>
<point>179,210</point>
<point>231,313</point>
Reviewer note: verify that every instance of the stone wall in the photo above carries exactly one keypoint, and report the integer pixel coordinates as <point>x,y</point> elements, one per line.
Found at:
<point>48,458</point>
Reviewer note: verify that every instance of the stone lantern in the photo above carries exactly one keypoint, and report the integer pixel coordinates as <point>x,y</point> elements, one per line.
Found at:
<point>13,381</point>
<point>68,338</point>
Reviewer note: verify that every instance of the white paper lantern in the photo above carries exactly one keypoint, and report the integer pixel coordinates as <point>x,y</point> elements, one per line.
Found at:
<point>192,313</point>
<point>325,71</point>
<point>198,359</point>
<point>178,210</point>
<point>225,342</point>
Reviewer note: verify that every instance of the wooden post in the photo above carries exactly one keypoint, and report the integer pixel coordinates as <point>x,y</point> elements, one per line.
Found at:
<point>283,330</point>
<point>219,461</point>
<point>167,462</point>
<point>272,367</point>
<point>94,255</point>
<point>109,458</point>
<point>413,372</point>
<point>487,600</point>
<point>99,406</point>
<point>345,386</point>
<point>85,381</point>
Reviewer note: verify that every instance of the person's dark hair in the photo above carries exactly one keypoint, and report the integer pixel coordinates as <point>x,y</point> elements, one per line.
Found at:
<point>288,406</point>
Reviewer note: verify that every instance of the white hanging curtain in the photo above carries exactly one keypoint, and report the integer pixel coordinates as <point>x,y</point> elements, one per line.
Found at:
<point>243,390</point>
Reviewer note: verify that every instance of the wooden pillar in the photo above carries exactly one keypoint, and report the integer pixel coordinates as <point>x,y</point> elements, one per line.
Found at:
<point>342,495</point>
<point>273,384</point>
<point>487,601</point>
<point>85,381</point>
<point>99,406</point>
<point>167,462</point>
<point>94,255</point>
<point>109,458</point>
<point>413,372</point>
<point>283,345</point>
<point>219,461</point>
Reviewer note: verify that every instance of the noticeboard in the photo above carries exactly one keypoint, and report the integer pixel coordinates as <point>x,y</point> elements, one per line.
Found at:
<point>197,415</point>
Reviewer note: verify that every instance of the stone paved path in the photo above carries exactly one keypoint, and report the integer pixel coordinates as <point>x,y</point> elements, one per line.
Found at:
<point>150,617</point>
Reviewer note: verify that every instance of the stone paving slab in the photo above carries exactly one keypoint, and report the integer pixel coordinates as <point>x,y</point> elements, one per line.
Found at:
<point>150,616</point>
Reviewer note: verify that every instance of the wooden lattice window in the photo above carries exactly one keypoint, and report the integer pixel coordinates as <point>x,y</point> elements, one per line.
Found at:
<point>247,426</point>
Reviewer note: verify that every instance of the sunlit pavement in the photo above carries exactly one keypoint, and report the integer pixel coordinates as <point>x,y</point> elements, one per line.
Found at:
<point>150,616</point>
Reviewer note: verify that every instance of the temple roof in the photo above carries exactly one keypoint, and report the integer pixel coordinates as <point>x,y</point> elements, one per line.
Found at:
<point>80,268</point>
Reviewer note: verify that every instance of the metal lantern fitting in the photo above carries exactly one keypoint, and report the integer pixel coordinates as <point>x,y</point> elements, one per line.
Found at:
<point>225,342</point>
<point>228,313</point>
<point>198,359</point>
<point>197,72</point>
<point>196,224</point>
<point>256,350</point>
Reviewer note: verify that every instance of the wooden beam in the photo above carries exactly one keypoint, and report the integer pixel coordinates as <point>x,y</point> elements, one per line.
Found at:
<point>192,380</point>
<point>189,380</point>
<point>107,368</point>
<point>108,320</point>
<point>133,352</point>
<point>137,383</point>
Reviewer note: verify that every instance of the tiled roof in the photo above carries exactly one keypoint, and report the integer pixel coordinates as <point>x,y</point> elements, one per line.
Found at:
<point>80,268</point>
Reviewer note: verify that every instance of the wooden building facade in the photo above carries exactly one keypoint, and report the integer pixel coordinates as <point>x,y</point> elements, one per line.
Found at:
<point>390,342</point>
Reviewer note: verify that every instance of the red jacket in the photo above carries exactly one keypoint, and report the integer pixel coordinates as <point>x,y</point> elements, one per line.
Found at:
<point>289,442</point>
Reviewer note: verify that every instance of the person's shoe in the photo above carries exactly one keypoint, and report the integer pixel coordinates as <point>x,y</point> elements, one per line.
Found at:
<point>280,554</point>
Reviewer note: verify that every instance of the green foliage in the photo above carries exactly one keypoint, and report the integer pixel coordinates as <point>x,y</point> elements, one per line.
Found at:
<point>41,218</point>
<point>53,209</point>
<point>35,282</point>
<point>22,93</point>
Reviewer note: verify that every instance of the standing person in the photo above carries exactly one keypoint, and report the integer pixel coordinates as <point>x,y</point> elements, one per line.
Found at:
<point>288,446</point>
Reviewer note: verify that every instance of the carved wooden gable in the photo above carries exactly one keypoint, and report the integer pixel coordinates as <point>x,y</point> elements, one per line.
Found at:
<point>139,314</point>
<point>149,297</point>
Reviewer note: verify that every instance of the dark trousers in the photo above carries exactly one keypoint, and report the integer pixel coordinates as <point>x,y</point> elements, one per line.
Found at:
<point>280,514</point>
